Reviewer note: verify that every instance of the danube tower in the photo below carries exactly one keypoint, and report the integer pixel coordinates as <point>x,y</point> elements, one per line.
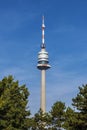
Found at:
<point>43,65</point>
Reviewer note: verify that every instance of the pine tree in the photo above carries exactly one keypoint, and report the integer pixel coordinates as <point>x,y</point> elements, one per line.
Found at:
<point>40,121</point>
<point>13,105</point>
<point>70,119</point>
<point>80,103</point>
<point>57,115</point>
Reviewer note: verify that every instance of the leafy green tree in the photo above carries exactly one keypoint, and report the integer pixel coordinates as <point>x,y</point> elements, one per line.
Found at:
<point>57,115</point>
<point>40,121</point>
<point>70,119</point>
<point>80,103</point>
<point>14,114</point>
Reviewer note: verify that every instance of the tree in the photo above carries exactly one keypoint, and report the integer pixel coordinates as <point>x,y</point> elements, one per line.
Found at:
<point>57,115</point>
<point>40,121</point>
<point>80,103</point>
<point>13,105</point>
<point>70,119</point>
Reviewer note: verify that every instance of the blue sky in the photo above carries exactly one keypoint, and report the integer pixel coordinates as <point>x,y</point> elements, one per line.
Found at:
<point>66,42</point>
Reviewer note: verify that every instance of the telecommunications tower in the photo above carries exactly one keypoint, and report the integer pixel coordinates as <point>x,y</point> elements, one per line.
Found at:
<point>43,65</point>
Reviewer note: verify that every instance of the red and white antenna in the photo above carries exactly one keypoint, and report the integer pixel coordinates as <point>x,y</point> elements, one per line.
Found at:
<point>43,28</point>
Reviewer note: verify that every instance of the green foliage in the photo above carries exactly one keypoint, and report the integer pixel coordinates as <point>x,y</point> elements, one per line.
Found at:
<point>80,103</point>
<point>70,119</point>
<point>14,113</point>
<point>61,117</point>
<point>77,120</point>
<point>40,121</point>
<point>57,115</point>
<point>13,102</point>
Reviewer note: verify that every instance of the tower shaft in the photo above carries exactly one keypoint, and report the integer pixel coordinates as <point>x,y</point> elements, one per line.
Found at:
<point>43,91</point>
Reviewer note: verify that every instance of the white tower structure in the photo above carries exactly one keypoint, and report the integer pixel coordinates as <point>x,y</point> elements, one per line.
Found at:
<point>43,65</point>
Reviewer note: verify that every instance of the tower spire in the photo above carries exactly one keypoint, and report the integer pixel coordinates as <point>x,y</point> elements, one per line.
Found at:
<point>43,38</point>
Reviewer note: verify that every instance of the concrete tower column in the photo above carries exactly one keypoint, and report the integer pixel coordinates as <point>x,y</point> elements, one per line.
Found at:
<point>43,91</point>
